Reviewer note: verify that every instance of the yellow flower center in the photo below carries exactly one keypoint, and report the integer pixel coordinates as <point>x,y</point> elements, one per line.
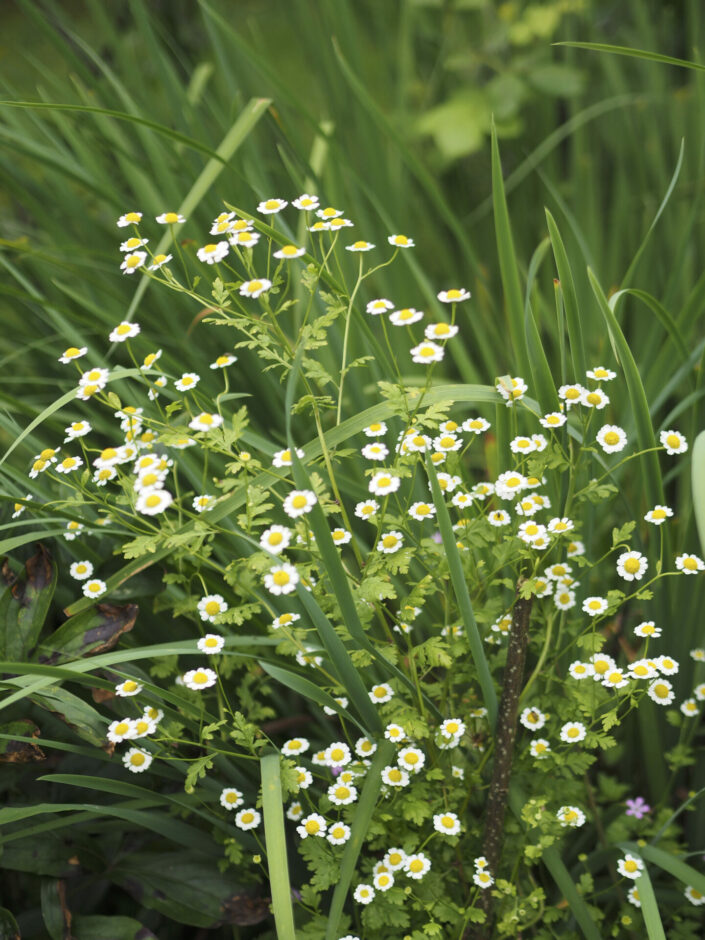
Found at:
<point>298,502</point>
<point>389,541</point>
<point>254,285</point>
<point>570,816</point>
<point>153,500</point>
<point>212,608</point>
<point>553,419</point>
<point>133,217</point>
<point>360,245</point>
<point>200,677</point>
<point>453,294</point>
<point>411,758</point>
<point>512,482</point>
<point>121,728</point>
<point>658,514</point>
<point>673,440</point>
<point>594,605</point>
<point>426,351</point>
<point>690,563</point>
<point>594,398</point>
<point>384,481</point>
<point>601,666</point>
<point>312,826</point>
<point>71,352</point>
<point>133,261</point>
<point>159,259</point>
<point>137,759</point>
<point>342,793</point>
<point>247,818</point>
<point>416,865</point>
<point>441,329</point>
<point>232,797</point>
<point>129,685</point>
<point>275,538</point>
<point>661,690</point>
<point>630,865</point>
<point>171,217</point>
<point>284,619</point>
<point>281,578</point>
<point>447,441</point>
<point>211,641</point>
<point>572,394</point>
<point>632,565</point>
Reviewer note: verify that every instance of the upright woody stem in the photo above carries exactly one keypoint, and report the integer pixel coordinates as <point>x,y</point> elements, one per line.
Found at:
<point>504,753</point>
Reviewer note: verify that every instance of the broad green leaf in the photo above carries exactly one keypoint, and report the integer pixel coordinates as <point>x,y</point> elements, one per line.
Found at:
<point>698,478</point>
<point>24,609</point>
<point>97,927</point>
<point>93,631</point>
<point>18,744</point>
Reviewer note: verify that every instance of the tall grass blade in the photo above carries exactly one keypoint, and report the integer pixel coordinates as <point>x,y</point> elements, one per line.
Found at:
<point>570,300</point>
<point>275,840</point>
<point>698,479</point>
<point>635,53</point>
<point>462,596</point>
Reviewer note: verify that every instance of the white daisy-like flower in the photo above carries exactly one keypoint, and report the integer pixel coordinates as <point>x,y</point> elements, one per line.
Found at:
<point>201,678</point>
<point>454,295</point>
<point>147,363</point>
<point>572,732</point>
<point>417,865</point>
<point>564,598</point>
<point>533,718</point>
<point>531,532</point>
<point>661,692</point>
<point>128,688</point>
<point>689,707</point>
<point>674,442</point>
<point>223,361</point>
<point>124,331</point>
<point>133,261</point>
<point>666,665</point>
<point>94,588</point>
<point>341,794</point>
<point>247,819</point>
<point>594,398</point>
<point>283,458</point>
<point>295,746</point>
<point>73,529</point>
<point>395,733</point>
<point>319,226</point>
<point>483,879</point>
<point>80,570</point>
<point>205,422</point>
<point>306,203</point>
<point>211,643</point>
<point>658,515</point>
<point>571,816</point>
<point>285,620</point>
<point>170,218</point>
<point>255,287</point>
<point>427,352</point>
<point>575,548</point>
<point>600,374</point>
<point>210,606</point>
<point>367,509</point>
<point>540,748</point>
<point>381,693</point>
<point>699,692</point>
<point>394,859</point>
<point>452,728</point>
<point>643,669</point>
<point>213,253</point>
<point>338,833</point>
<point>360,246</point>
<point>158,261</point>
<point>513,391</point>
<point>341,536</point>
<point>383,483</point>
<point>461,500</point>
<point>376,451</point>
<point>522,445</point>
<point>245,239</point>
<point>447,442</point>
<point>187,381</point>
<point>411,759</point>
<point>152,501</point>
<point>611,438</point>
<point>447,824</point>
<point>376,429</point>
<point>275,539</point>
<point>77,429</point>
<point>136,760</point>
<point>329,213</point>
<point>594,606</point>
<point>230,798</point>
<point>405,316</point>
<point>560,525</point>
<point>289,252</point>
<point>632,566</point>
<point>281,579</point>
<point>378,306</point>
<point>364,894</point>
<point>602,664</point>
<point>203,503</point>
<point>401,241</point>
<point>553,420</point>
<point>647,629</point>
<point>688,564</point>
<point>383,881</point>
<point>579,670</point>
<point>698,654</point>
<point>338,754</point>
<point>299,502</point>
<point>630,866</point>
<point>421,511</point>
<point>615,679</point>
<point>121,730</point>
<point>447,482</point>
<point>509,484</point>
<point>476,425</point>
<point>571,394</point>
<point>304,779</point>
<point>73,352</point>
<point>272,206</point>
<point>129,218</point>
<point>340,223</point>
<point>365,748</point>
<point>98,377</point>
<point>697,898</point>
<point>312,825</point>
<point>440,331</point>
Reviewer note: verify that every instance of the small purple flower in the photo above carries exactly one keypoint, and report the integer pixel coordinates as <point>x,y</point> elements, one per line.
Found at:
<point>638,807</point>
<point>437,537</point>
<point>336,770</point>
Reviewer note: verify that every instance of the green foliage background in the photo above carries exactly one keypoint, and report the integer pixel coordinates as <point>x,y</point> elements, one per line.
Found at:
<point>384,109</point>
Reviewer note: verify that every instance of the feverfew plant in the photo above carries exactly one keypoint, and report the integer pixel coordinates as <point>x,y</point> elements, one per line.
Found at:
<point>431,572</point>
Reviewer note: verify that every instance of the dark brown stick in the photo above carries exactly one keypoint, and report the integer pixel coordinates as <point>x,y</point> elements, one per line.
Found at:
<point>505,736</point>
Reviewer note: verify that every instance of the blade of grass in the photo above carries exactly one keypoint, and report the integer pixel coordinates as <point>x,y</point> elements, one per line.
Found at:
<point>462,596</point>
<point>309,690</point>
<point>634,53</point>
<point>509,270</point>
<point>649,906</point>
<point>359,826</point>
<point>674,866</point>
<point>570,299</point>
<point>698,481</point>
<point>275,841</point>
